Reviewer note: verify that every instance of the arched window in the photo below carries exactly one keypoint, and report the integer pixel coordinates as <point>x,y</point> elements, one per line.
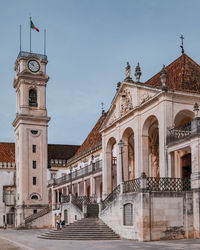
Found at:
<point>32,98</point>
<point>128,214</point>
<point>34,197</point>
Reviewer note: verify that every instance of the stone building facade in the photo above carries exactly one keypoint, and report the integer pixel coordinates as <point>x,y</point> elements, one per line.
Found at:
<point>140,162</point>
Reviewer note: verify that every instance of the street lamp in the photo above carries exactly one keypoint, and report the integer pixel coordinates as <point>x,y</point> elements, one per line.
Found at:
<point>70,179</point>
<point>121,145</point>
<point>196,109</point>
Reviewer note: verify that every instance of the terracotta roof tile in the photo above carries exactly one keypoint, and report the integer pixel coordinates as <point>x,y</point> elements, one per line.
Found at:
<point>93,139</point>
<point>7,152</point>
<point>182,74</point>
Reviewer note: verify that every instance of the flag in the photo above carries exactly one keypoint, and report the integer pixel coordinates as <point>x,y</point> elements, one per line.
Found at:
<point>33,26</point>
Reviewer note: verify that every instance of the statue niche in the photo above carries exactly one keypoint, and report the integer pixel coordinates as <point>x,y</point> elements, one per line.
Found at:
<point>154,151</point>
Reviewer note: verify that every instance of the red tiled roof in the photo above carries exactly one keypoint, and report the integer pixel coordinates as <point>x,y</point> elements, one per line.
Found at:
<point>182,74</point>
<point>55,151</point>
<point>93,139</point>
<point>7,152</point>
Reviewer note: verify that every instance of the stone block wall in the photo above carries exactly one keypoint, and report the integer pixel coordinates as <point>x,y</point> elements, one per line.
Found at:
<point>44,221</point>
<point>156,215</point>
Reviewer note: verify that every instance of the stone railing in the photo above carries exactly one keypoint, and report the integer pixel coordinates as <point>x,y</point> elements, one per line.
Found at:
<point>178,133</point>
<point>110,198</point>
<point>190,129</point>
<point>156,184</point>
<point>92,168</point>
<point>79,201</point>
<point>37,215</point>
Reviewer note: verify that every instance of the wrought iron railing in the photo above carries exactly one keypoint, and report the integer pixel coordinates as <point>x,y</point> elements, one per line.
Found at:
<point>168,184</point>
<point>131,186</point>
<point>110,198</point>
<point>157,184</point>
<point>179,133</point>
<point>92,168</point>
<point>25,54</point>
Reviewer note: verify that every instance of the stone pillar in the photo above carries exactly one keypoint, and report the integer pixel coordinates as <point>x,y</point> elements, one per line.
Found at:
<point>125,162</point>
<point>53,198</point>
<point>145,156</point>
<point>84,188</point>
<point>143,222</point>
<point>171,165</point>
<point>195,151</point>
<point>72,188</point>
<point>119,166</point>
<point>67,190</point>
<point>57,195</point>
<point>78,188</point>
<point>196,214</point>
<point>92,186</point>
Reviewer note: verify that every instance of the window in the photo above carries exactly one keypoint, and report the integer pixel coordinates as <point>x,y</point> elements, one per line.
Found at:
<point>128,214</point>
<point>34,180</point>
<point>34,148</point>
<point>32,98</point>
<point>35,211</point>
<point>34,197</point>
<point>34,164</point>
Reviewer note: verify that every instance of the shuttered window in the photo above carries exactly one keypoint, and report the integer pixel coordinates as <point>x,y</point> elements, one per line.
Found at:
<point>128,214</point>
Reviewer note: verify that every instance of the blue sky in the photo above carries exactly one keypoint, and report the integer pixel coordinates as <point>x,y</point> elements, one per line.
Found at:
<point>88,45</point>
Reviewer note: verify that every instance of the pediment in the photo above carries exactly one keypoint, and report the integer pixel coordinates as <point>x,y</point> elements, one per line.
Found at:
<point>127,98</point>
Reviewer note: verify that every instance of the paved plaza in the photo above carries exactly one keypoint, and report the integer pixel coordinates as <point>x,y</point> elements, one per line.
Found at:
<point>27,239</point>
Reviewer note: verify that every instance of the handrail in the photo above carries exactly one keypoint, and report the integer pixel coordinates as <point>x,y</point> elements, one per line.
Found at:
<point>110,198</point>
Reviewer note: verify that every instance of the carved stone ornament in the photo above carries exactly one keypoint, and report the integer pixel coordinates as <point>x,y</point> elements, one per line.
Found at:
<point>126,102</point>
<point>146,96</point>
<point>113,117</point>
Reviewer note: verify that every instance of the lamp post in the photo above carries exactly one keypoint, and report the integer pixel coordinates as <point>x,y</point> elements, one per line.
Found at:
<point>196,109</point>
<point>70,179</point>
<point>121,145</point>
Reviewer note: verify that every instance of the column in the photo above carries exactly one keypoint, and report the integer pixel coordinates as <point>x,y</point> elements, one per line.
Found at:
<point>78,188</point>
<point>125,162</point>
<point>67,190</point>
<point>84,188</point>
<point>57,195</point>
<point>92,186</point>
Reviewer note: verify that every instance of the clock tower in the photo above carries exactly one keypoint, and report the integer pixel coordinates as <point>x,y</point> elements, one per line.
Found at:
<point>30,124</point>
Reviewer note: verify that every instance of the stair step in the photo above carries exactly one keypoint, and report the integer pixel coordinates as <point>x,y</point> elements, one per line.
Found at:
<point>85,229</point>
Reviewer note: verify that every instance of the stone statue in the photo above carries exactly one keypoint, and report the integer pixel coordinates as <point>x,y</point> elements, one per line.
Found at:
<point>128,70</point>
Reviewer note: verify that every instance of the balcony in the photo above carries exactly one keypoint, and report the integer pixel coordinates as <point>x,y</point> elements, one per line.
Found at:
<point>185,132</point>
<point>90,169</point>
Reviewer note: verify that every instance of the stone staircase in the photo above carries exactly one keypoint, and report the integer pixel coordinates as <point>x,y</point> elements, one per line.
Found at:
<point>86,229</point>
<point>93,210</point>
<point>37,215</point>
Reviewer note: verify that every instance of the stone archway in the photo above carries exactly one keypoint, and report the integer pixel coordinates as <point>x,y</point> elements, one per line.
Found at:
<point>111,165</point>
<point>150,147</point>
<point>183,117</point>
<point>128,154</point>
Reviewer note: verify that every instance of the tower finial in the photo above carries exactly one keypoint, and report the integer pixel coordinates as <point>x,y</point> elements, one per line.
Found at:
<point>128,70</point>
<point>102,108</point>
<point>182,48</point>
<point>163,77</point>
<point>138,73</point>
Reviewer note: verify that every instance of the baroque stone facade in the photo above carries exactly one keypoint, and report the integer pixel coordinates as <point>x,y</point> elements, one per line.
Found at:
<point>140,162</point>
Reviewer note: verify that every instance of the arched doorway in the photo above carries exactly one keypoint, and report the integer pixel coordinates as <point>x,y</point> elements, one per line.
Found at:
<point>150,147</point>
<point>128,154</point>
<point>111,164</point>
<point>186,165</point>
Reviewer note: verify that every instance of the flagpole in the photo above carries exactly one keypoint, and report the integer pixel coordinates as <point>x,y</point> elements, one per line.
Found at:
<point>20,38</point>
<point>30,34</point>
<point>44,41</point>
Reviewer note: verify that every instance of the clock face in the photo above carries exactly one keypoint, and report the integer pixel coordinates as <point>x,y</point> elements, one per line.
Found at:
<point>33,65</point>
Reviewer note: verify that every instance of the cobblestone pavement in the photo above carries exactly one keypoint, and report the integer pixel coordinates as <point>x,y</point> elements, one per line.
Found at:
<point>27,239</point>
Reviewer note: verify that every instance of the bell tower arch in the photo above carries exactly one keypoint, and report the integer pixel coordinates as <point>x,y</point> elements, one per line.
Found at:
<point>30,126</point>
